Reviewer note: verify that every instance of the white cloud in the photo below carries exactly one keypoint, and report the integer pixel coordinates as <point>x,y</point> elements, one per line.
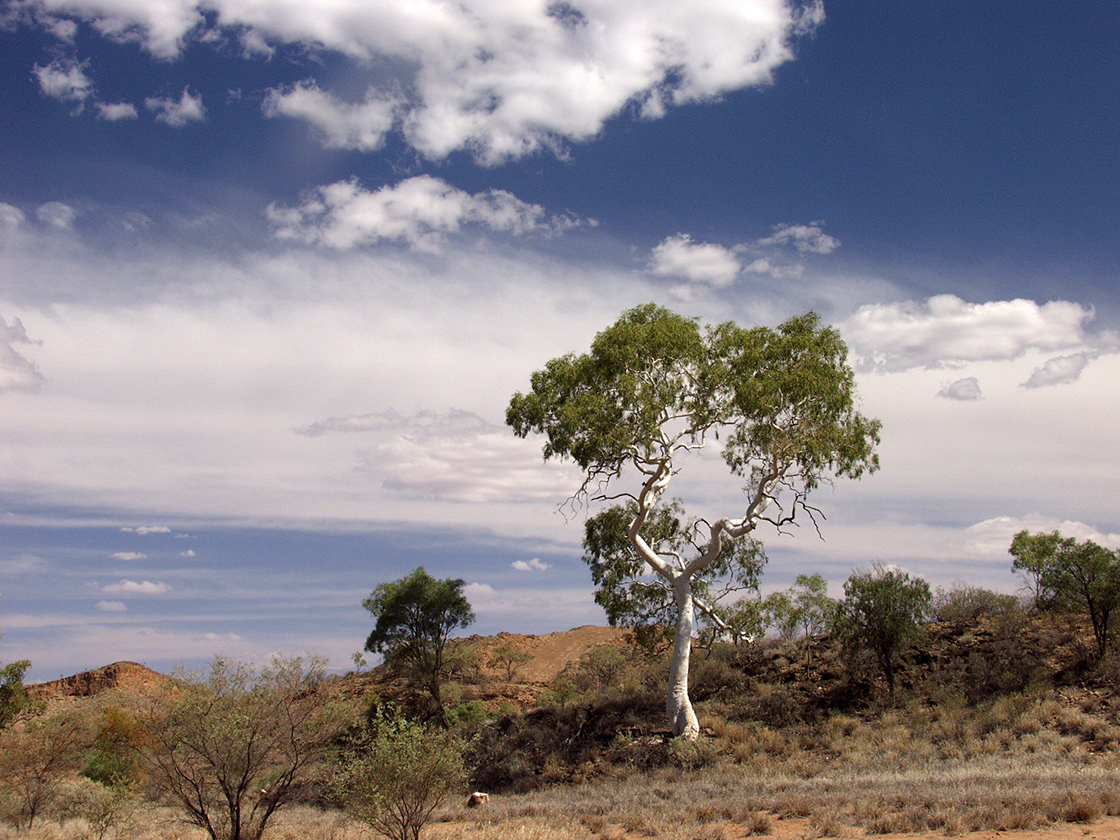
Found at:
<point>992,537</point>
<point>420,211</point>
<point>947,330</point>
<point>56,214</point>
<point>697,262</point>
<point>498,79</point>
<point>144,530</point>
<point>112,606</point>
<point>137,587</point>
<point>344,125</point>
<point>17,372</point>
<point>534,565</point>
<point>963,390</point>
<point>177,113</point>
<point>454,455</point>
<point>10,216</point>
<point>129,555</point>
<point>807,239</point>
<point>113,111</point>
<point>65,81</point>
<point>1058,371</point>
<point>188,553</point>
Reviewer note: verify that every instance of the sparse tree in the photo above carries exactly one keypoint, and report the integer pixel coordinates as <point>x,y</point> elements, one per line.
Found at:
<point>1078,575</point>
<point>414,618</point>
<point>235,747</point>
<point>812,608</point>
<point>509,657</point>
<point>882,611</point>
<point>13,694</point>
<point>397,772</point>
<point>36,754</point>
<point>655,387</point>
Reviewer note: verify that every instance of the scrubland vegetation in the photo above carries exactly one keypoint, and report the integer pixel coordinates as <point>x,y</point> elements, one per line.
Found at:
<point>1000,718</point>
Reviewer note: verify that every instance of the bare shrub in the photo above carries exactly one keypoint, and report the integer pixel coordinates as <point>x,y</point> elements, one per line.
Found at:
<point>235,747</point>
<point>35,757</point>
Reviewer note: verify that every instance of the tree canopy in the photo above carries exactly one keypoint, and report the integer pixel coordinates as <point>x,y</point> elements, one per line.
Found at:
<point>1063,572</point>
<point>882,610</point>
<point>415,617</point>
<point>656,386</point>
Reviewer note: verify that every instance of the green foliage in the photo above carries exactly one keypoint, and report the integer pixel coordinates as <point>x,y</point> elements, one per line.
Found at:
<point>1065,573</point>
<point>655,387</point>
<point>13,694</point>
<point>115,759</point>
<point>882,610</point>
<point>237,745</point>
<point>632,593</point>
<point>787,391</point>
<point>509,657</point>
<point>414,617</point>
<point>964,604</point>
<point>804,609</point>
<point>397,772</point>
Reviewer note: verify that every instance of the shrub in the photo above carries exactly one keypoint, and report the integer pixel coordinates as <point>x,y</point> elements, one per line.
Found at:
<point>964,604</point>
<point>239,745</point>
<point>397,772</point>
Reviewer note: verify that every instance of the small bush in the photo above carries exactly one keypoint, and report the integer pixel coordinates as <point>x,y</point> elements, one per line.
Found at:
<point>397,772</point>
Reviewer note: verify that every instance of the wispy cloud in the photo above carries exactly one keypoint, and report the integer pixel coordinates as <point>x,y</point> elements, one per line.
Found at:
<point>534,565</point>
<point>112,606</point>
<point>454,456</point>
<point>143,530</point>
<point>64,80</point>
<point>343,125</point>
<point>1061,370</point>
<point>421,211</point>
<point>129,555</point>
<point>177,112</point>
<point>113,111</point>
<point>137,587</point>
<point>56,214</point>
<point>945,330</point>
<point>17,372</point>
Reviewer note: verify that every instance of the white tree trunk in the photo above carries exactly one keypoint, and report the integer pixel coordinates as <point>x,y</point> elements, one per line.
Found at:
<point>682,718</point>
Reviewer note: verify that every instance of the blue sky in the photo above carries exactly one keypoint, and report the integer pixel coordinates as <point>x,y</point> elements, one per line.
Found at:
<point>270,272</point>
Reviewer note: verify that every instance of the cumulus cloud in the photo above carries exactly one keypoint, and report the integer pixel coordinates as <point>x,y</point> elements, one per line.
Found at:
<point>945,330</point>
<point>534,565</point>
<point>454,456</point>
<point>696,262</point>
<point>64,80</point>
<point>177,112</point>
<point>344,125</point>
<point>129,555</point>
<point>1059,371</point>
<point>807,239</point>
<point>963,389</point>
<point>992,537</point>
<point>112,606</point>
<point>113,111</point>
<point>779,255</point>
<point>137,587</point>
<point>421,211</point>
<point>56,214</point>
<point>17,372</point>
<point>500,80</point>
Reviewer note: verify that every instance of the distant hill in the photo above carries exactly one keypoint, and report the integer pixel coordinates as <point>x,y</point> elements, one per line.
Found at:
<point>127,676</point>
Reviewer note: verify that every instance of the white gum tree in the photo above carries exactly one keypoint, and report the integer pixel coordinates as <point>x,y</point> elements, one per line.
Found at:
<point>655,387</point>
